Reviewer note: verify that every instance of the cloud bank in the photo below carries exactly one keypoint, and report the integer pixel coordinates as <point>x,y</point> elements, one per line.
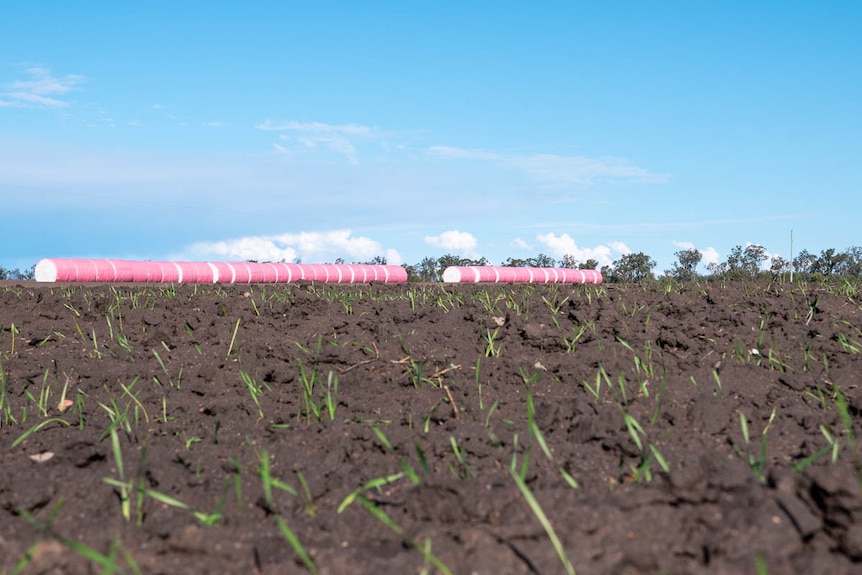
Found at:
<point>461,243</point>
<point>564,245</point>
<point>40,90</point>
<point>310,247</point>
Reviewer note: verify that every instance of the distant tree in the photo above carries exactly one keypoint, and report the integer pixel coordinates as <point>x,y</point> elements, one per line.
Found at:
<point>829,262</point>
<point>685,268</point>
<point>631,268</point>
<point>717,269</point>
<point>412,274</point>
<point>375,261</point>
<point>742,263</point>
<point>426,270</point>
<point>590,264</point>
<point>569,262</point>
<point>542,261</point>
<point>17,274</point>
<point>779,266</point>
<point>804,262</point>
<point>852,263</point>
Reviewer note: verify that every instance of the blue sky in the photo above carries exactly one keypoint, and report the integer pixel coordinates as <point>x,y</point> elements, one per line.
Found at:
<point>316,130</point>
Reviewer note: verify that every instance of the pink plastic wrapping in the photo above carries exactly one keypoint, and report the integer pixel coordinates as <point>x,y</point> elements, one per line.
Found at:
<point>500,274</point>
<point>110,270</point>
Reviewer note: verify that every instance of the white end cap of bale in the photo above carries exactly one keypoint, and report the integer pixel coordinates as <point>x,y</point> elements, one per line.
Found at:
<point>46,271</point>
<point>452,275</point>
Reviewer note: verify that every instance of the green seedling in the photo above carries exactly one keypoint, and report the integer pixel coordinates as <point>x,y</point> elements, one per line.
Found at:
<point>422,460</point>
<point>408,469</point>
<point>306,490</point>
<point>268,481</point>
<point>846,416</point>
<point>812,309</point>
<point>461,457</point>
<point>5,406</point>
<point>537,510</point>
<point>572,344</point>
<point>717,381</point>
<point>123,486</point>
<point>13,331</point>
<point>491,412</point>
<point>165,371</point>
<point>331,391</point>
<point>540,439</point>
<point>525,462</point>
<point>294,542</point>
<point>118,419</point>
<point>757,463</point>
<point>190,330</point>
<point>207,519</point>
<point>308,380</point>
<point>848,345</point>
<point>638,435</point>
<point>37,427</point>
<point>381,516</point>
<point>237,481</point>
<point>108,562</point>
<point>832,444</point>
<point>492,349</point>
<point>555,304</point>
<point>479,384</point>
<point>601,375</point>
<point>376,483</point>
<point>127,390</point>
<point>254,389</point>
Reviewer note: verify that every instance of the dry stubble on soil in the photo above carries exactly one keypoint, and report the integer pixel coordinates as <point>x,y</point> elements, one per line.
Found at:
<point>404,429</point>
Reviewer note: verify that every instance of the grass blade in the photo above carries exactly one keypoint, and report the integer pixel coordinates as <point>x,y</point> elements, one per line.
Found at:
<point>543,519</point>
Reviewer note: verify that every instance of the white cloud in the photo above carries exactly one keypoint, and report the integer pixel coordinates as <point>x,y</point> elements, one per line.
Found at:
<point>620,248</point>
<point>710,256</point>
<point>310,247</point>
<point>449,152</point>
<point>521,244</point>
<point>212,124</point>
<point>338,144</point>
<point>556,171</point>
<point>316,128</point>
<point>565,245</point>
<point>393,257</point>
<point>40,90</point>
<point>241,249</point>
<point>463,243</point>
<point>334,137</point>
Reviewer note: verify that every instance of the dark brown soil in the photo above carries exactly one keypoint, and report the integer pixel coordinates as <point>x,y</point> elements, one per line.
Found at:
<point>643,396</point>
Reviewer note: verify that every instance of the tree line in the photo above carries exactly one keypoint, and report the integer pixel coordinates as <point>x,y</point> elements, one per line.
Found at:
<point>746,263</point>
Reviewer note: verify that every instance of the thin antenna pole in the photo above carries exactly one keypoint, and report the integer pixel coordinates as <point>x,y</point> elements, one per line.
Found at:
<point>792,265</point>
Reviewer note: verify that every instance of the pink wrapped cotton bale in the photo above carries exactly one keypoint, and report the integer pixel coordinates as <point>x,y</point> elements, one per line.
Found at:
<point>110,270</point>
<point>500,274</point>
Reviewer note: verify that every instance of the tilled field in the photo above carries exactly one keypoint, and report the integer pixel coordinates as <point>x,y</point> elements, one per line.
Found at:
<point>499,429</point>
